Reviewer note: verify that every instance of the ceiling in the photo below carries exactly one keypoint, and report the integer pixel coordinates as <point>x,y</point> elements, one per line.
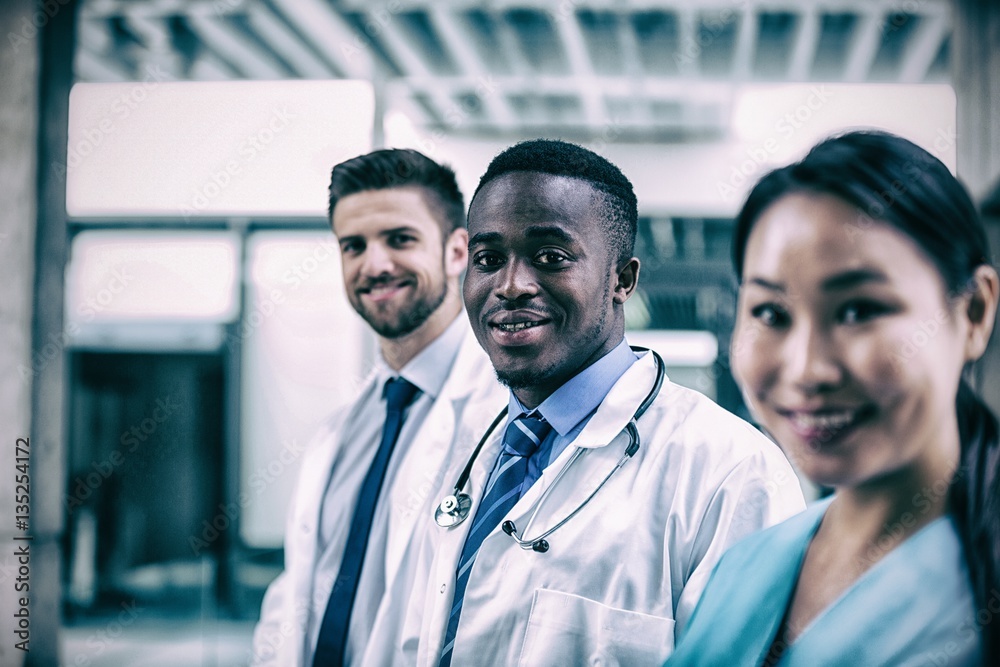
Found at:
<point>623,70</point>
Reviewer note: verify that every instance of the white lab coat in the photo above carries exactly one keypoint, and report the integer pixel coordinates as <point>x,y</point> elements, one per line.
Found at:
<point>628,568</point>
<point>469,400</point>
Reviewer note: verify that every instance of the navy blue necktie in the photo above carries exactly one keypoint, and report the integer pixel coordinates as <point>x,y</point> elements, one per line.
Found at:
<point>336,620</point>
<point>521,439</point>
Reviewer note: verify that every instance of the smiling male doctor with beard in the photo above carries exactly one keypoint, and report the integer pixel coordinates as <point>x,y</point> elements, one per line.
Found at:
<point>398,217</point>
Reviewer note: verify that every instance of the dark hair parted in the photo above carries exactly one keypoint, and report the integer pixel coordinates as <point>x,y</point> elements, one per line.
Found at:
<point>560,158</point>
<point>397,168</point>
<point>893,181</point>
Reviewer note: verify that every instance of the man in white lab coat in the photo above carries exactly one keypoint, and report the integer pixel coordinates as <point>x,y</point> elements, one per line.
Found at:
<point>552,227</point>
<point>367,481</point>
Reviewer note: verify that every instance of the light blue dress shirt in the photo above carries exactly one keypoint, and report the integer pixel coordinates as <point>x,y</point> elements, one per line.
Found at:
<point>570,407</point>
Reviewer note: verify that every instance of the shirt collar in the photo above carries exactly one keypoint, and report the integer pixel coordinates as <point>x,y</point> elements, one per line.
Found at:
<point>430,368</point>
<point>581,394</point>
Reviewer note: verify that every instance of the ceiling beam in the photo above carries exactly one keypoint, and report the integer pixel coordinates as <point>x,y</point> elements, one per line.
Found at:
<point>924,47</point>
<point>687,22</point>
<point>746,45</point>
<point>411,62</point>
<point>159,48</point>
<point>658,88</point>
<point>209,67</point>
<point>582,70</point>
<point>288,45</point>
<point>464,55</point>
<point>94,35</point>
<point>235,47</point>
<point>90,66</point>
<point>329,33</point>
<point>864,48</point>
<point>804,49</point>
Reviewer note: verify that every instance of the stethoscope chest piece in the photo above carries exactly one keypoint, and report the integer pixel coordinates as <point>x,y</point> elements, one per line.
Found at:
<point>453,510</point>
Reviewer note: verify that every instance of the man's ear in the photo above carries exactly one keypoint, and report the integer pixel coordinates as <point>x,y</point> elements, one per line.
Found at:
<point>628,279</point>
<point>981,311</point>
<point>456,252</point>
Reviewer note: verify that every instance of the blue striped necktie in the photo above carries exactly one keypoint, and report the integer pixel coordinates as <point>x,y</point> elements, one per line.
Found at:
<point>521,439</point>
<point>336,620</point>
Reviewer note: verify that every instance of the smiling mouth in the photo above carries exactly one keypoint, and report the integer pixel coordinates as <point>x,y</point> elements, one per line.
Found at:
<point>382,290</point>
<point>517,326</point>
<point>829,421</point>
<point>827,425</point>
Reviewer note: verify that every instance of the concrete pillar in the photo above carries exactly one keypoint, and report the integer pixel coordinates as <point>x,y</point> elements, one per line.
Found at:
<point>975,58</point>
<point>36,55</point>
<point>19,71</point>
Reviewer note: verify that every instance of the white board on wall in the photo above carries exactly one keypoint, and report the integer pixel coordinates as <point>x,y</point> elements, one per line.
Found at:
<point>211,149</point>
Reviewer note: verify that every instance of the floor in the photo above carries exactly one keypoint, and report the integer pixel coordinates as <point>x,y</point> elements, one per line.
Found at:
<point>133,638</point>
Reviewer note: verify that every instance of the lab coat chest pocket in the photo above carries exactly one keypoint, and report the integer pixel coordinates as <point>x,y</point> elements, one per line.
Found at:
<point>565,629</point>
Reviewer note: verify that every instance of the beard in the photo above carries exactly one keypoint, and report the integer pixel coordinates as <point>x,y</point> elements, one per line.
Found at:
<point>405,320</point>
<point>538,375</point>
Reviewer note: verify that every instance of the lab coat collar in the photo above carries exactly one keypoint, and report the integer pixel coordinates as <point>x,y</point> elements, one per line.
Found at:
<point>618,407</point>
<point>578,397</point>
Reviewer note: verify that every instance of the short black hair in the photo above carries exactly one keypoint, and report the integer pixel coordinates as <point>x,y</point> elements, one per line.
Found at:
<point>561,158</point>
<point>397,168</point>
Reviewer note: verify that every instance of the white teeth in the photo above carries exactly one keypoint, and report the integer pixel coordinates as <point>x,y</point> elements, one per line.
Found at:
<point>827,421</point>
<point>517,326</point>
<point>382,289</point>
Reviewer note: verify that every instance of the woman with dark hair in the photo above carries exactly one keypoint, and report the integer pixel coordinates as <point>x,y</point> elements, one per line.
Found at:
<point>865,291</point>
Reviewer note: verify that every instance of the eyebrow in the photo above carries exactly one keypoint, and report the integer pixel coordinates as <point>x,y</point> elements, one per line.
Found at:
<point>839,281</point>
<point>853,278</point>
<point>533,232</point>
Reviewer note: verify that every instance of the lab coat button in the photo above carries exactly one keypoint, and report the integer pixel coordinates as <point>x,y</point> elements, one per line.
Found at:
<point>444,587</point>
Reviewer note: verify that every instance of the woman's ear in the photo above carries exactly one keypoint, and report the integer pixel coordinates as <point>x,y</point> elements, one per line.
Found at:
<point>981,311</point>
<point>627,280</point>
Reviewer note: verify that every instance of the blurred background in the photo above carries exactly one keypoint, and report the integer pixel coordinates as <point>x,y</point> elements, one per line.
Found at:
<point>174,322</point>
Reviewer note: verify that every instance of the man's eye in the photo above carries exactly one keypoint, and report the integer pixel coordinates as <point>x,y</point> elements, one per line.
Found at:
<point>399,240</point>
<point>770,315</point>
<point>351,247</point>
<point>487,260</point>
<point>550,258</point>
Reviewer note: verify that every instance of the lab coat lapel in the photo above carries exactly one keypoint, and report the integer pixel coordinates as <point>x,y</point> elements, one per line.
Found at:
<point>316,469</point>
<point>420,473</point>
<point>605,429</point>
<point>574,481</point>
<point>449,542</point>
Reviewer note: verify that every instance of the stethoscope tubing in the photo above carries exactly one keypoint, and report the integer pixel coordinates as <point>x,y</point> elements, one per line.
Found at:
<point>634,443</point>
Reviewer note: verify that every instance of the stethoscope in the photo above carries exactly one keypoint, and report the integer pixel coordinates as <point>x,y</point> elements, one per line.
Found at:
<point>455,508</point>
